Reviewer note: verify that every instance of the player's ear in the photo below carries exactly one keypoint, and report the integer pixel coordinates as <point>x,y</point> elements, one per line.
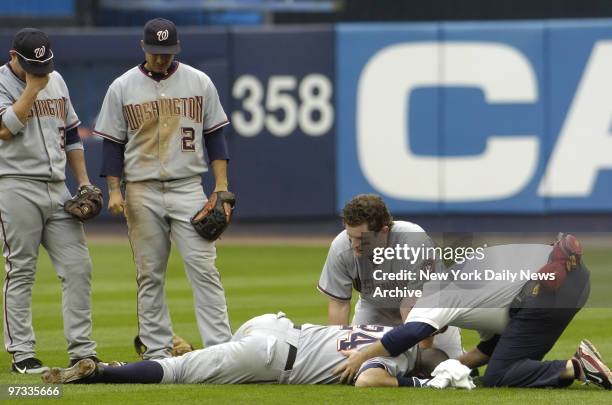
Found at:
<point>142,45</point>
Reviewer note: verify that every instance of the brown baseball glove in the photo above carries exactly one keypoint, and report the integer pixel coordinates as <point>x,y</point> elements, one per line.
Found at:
<point>86,204</point>
<point>180,346</point>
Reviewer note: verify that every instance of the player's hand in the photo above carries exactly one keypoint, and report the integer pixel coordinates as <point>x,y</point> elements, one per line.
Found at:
<point>36,82</point>
<point>349,368</point>
<point>116,204</point>
<point>210,204</point>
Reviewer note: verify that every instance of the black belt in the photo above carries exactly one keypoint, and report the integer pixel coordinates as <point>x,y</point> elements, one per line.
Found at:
<point>292,352</point>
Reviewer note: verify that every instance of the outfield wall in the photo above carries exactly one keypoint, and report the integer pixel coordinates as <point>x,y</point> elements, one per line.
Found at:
<point>446,118</point>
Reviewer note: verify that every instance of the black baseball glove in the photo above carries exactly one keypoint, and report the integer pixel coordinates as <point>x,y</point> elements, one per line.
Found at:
<point>86,204</point>
<point>213,219</point>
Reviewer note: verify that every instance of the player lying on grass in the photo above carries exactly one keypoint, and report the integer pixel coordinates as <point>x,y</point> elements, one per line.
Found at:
<point>268,349</point>
<point>519,322</point>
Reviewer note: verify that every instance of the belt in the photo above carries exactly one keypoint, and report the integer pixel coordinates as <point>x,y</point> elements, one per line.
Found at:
<point>292,352</point>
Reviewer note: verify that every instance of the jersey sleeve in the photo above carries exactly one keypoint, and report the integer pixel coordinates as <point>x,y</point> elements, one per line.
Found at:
<point>6,112</point>
<point>5,100</point>
<point>111,122</point>
<point>335,280</point>
<point>434,316</point>
<point>214,116</point>
<point>395,366</point>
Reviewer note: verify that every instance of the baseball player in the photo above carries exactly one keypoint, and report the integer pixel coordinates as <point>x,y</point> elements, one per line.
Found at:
<point>156,120</point>
<point>268,349</point>
<point>519,322</point>
<point>349,266</point>
<point>38,134</point>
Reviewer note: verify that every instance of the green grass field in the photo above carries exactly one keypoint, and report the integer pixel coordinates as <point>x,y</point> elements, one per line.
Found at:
<point>257,279</point>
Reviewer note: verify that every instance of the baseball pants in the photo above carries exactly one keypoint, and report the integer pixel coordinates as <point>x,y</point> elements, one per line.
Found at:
<point>31,214</point>
<point>532,331</point>
<point>257,354</point>
<point>157,212</point>
<point>367,313</point>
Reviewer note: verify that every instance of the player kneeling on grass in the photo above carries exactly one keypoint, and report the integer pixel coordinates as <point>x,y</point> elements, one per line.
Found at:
<point>519,322</point>
<point>268,349</point>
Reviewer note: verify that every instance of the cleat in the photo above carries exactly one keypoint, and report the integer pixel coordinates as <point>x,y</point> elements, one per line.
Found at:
<point>593,369</point>
<point>79,371</point>
<point>29,366</point>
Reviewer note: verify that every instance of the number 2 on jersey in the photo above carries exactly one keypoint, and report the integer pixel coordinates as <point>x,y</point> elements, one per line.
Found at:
<point>187,139</point>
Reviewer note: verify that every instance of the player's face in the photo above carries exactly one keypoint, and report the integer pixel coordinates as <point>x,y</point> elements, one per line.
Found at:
<point>356,234</point>
<point>363,240</point>
<point>16,66</point>
<point>158,63</point>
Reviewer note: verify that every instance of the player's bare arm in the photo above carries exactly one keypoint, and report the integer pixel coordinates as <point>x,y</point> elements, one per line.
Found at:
<point>219,168</point>
<point>76,161</point>
<point>34,84</point>
<point>338,312</point>
<point>116,205</point>
<point>474,358</point>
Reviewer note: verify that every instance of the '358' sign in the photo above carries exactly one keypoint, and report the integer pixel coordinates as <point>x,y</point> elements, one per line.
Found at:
<point>283,104</point>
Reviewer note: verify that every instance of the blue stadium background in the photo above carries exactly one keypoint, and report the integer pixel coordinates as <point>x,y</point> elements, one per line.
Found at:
<point>306,175</point>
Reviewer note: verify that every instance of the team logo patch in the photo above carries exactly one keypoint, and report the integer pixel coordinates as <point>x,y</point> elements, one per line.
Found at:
<point>40,52</point>
<point>162,35</point>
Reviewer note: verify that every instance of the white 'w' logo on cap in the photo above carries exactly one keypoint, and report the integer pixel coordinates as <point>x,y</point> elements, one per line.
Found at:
<point>40,52</point>
<point>162,35</point>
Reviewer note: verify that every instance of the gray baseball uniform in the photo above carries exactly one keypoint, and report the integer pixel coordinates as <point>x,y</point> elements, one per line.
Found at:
<point>343,271</point>
<point>32,194</point>
<point>161,123</point>
<point>259,351</point>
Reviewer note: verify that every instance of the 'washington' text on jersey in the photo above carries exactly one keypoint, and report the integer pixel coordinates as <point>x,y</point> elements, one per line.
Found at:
<point>137,114</point>
<point>53,107</point>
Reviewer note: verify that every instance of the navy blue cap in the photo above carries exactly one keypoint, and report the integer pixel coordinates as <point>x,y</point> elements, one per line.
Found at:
<point>33,50</point>
<point>160,37</point>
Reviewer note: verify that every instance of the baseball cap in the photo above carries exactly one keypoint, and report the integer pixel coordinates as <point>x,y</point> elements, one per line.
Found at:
<point>33,50</point>
<point>160,37</point>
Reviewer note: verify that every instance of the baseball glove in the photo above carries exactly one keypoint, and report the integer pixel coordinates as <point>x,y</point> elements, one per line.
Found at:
<point>213,219</point>
<point>179,346</point>
<point>86,204</point>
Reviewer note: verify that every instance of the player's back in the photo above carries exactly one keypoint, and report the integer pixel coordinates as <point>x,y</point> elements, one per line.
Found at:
<point>481,304</point>
<point>319,351</point>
